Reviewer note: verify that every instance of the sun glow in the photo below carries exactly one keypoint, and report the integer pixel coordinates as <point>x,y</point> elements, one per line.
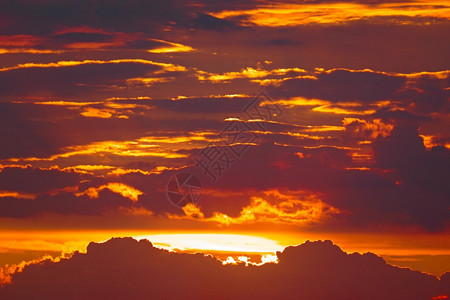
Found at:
<point>213,242</point>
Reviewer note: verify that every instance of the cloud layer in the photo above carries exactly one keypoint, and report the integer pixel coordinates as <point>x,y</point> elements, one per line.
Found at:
<point>125,268</point>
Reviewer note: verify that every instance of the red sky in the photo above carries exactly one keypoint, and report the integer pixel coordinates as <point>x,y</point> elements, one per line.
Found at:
<point>280,121</point>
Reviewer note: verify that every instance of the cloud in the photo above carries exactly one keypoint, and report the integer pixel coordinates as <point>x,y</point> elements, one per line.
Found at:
<point>79,78</point>
<point>362,129</point>
<point>289,14</point>
<point>407,196</point>
<point>139,16</point>
<point>125,268</point>
<point>116,187</point>
<point>86,38</point>
<point>342,85</point>
<point>209,22</point>
<point>275,207</point>
<point>31,180</point>
<point>421,171</point>
<point>66,203</point>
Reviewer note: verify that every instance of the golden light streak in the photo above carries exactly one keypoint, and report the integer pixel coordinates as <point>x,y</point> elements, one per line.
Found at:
<point>300,101</point>
<point>15,166</point>
<point>148,81</point>
<point>136,148</point>
<point>301,14</point>
<point>129,98</point>
<point>116,187</point>
<point>231,96</point>
<point>414,75</point>
<point>248,72</point>
<point>261,73</point>
<point>121,171</point>
<point>126,105</point>
<point>29,50</point>
<point>304,136</point>
<point>88,168</point>
<point>18,195</point>
<point>342,111</point>
<point>172,47</point>
<point>277,81</point>
<point>358,168</point>
<point>92,112</point>
<point>125,190</point>
<point>329,146</point>
<point>323,128</point>
<point>66,103</point>
<point>71,63</point>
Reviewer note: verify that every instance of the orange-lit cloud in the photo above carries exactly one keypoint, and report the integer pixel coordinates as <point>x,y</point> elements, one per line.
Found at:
<point>91,112</point>
<point>171,47</point>
<point>21,40</point>
<point>70,63</point>
<point>366,129</point>
<point>116,187</point>
<point>65,103</point>
<point>282,14</point>
<point>8,271</point>
<point>18,195</point>
<point>148,81</point>
<point>345,110</point>
<point>142,147</point>
<point>248,72</point>
<point>28,50</point>
<point>295,208</point>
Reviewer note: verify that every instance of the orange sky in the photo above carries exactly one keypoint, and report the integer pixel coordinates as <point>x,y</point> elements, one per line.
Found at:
<point>231,128</point>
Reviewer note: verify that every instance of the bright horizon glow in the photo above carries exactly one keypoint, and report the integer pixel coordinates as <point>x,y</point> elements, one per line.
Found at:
<point>213,242</point>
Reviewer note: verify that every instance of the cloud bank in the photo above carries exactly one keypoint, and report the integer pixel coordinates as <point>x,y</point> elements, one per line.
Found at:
<point>123,268</point>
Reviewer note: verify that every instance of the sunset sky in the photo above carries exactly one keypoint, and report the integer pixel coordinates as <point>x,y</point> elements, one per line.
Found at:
<point>288,121</point>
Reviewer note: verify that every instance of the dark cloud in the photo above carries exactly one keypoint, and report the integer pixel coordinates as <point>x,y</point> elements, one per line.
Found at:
<point>342,85</point>
<point>423,172</point>
<point>83,38</point>
<point>208,22</point>
<point>136,16</point>
<point>31,180</point>
<point>146,15</point>
<point>282,42</point>
<point>62,203</point>
<point>429,94</point>
<point>364,196</point>
<point>125,268</point>
<point>205,105</point>
<point>70,81</point>
<point>383,46</point>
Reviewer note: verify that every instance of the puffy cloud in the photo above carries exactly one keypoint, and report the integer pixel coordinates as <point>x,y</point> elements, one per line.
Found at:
<point>275,207</point>
<point>423,172</point>
<point>362,129</point>
<point>315,270</point>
